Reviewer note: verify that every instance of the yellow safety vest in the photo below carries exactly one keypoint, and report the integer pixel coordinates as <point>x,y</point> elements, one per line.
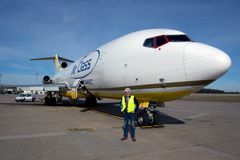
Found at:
<point>131,104</point>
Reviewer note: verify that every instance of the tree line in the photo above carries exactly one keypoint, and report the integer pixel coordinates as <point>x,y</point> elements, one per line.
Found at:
<point>209,90</point>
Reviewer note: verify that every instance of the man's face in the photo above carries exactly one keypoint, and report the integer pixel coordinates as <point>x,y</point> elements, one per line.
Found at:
<point>127,93</point>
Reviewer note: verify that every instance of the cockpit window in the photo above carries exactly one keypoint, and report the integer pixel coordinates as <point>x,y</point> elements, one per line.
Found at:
<point>155,41</point>
<point>158,41</point>
<point>149,43</point>
<point>178,38</point>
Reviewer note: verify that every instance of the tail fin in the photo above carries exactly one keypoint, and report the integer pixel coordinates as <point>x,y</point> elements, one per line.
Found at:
<point>56,60</point>
<point>57,64</point>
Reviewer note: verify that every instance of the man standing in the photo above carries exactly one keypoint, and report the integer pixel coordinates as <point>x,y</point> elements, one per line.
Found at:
<point>129,105</point>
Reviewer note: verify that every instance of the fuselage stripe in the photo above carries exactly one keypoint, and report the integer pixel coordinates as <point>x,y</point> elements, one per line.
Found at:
<point>159,85</point>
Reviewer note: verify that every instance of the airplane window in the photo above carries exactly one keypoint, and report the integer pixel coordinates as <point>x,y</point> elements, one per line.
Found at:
<point>155,41</point>
<point>178,38</point>
<point>149,43</point>
<point>160,40</point>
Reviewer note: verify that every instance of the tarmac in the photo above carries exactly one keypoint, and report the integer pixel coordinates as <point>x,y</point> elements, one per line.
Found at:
<point>195,129</point>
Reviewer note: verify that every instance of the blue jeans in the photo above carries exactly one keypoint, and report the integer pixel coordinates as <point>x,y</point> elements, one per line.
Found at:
<point>127,117</point>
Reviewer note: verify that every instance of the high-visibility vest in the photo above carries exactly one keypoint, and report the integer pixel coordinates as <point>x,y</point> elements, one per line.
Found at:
<point>131,104</point>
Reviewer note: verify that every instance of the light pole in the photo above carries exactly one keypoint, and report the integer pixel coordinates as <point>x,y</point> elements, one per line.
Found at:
<point>36,77</point>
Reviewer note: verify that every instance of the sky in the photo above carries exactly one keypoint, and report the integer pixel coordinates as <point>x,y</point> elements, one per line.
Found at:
<point>72,28</point>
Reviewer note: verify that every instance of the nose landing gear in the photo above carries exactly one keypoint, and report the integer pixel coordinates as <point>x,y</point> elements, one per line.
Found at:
<point>149,117</point>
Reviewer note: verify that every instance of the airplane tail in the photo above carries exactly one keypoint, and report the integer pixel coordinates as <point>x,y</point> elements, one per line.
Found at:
<point>56,60</point>
<point>57,64</point>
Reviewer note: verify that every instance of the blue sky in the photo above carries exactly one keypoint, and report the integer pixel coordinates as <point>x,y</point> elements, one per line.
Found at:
<point>72,28</point>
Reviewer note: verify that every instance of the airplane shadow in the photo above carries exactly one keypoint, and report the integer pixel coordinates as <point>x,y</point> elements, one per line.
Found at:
<point>109,108</point>
<point>114,109</point>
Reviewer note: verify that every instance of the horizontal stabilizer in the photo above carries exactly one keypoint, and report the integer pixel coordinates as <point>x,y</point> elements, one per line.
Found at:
<point>56,60</point>
<point>52,58</point>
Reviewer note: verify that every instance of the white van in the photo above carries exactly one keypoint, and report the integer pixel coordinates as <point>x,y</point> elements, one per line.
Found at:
<point>25,98</point>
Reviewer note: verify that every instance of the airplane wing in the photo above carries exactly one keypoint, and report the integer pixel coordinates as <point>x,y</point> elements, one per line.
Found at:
<point>45,87</point>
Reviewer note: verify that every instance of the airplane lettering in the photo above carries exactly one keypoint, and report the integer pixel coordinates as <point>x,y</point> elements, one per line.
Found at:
<point>83,66</point>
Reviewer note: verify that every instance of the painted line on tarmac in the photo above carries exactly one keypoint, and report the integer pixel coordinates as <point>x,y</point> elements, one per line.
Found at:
<point>27,136</point>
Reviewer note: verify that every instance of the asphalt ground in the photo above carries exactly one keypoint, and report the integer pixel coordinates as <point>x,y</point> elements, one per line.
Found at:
<point>194,129</point>
<point>214,97</point>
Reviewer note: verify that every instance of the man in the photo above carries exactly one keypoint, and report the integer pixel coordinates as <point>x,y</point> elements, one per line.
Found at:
<point>129,105</point>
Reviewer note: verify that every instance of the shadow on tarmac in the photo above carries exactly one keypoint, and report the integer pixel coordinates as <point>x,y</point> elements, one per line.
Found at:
<point>113,109</point>
<point>109,108</point>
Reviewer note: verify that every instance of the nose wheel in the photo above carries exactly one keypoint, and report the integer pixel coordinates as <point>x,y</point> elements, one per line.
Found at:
<point>148,117</point>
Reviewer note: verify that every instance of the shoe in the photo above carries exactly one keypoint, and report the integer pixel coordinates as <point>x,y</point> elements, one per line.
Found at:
<point>123,138</point>
<point>133,139</point>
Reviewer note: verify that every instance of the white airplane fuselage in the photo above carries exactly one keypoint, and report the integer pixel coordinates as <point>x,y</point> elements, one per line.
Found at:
<point>163,71</point>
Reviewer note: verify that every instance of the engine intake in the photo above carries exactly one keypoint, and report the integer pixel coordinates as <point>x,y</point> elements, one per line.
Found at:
<point>64,64</point>
<point>46,80</point>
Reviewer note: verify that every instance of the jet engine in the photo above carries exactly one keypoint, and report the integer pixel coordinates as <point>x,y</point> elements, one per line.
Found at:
<point>46,80</point>
<point>64,64</point>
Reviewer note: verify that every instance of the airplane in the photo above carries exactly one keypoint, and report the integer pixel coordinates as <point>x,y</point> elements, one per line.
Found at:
<point>158,65</point>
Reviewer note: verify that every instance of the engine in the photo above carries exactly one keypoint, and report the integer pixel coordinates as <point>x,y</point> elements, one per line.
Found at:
<point>46,80</point>
<point>64,64</point>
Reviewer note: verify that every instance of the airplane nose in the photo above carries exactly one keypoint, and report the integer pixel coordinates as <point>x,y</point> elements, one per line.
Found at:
<point>205,62</point>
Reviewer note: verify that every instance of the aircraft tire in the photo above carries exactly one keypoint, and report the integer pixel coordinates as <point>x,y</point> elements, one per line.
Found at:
<point>151,119</point>
<point>46,101</point>
<point>156,115</point>
<point>140,119</point>
<point>53,101</point>
<point>50,101</point>
<point>143,119</point>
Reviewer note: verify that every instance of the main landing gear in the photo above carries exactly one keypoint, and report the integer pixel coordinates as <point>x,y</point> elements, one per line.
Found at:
<point>50,100</point>
<point>148,117</point>
<point>91,100</point>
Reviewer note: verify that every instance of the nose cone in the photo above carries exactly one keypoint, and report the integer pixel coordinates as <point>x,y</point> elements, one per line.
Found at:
<point>222,62</point>
<point>205,62</point>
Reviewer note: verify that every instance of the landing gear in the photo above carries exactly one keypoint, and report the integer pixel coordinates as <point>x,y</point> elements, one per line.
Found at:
<point>145,118</point>
<point>148,117</point>
<point>91,100</point>
<point>50,101</point>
